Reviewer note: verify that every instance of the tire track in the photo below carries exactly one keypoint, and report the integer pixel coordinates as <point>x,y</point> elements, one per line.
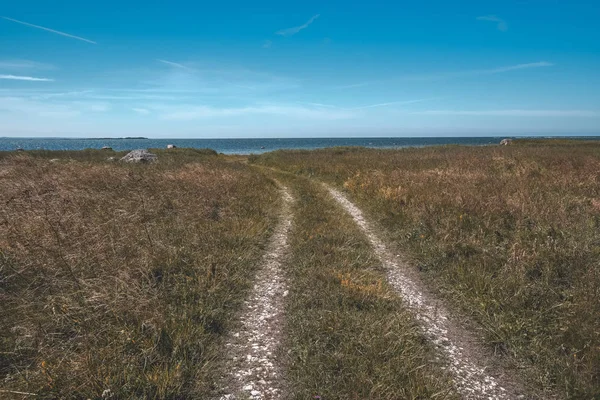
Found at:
<point>253,371</point>
<point>466,359</point>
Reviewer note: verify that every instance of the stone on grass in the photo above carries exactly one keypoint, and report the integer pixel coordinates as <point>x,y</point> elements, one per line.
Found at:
<point>505,142</point>
<point>171,146</point>
<point>140,156</point>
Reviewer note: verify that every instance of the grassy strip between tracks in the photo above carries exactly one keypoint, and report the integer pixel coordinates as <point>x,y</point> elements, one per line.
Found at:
<point>348,335</point>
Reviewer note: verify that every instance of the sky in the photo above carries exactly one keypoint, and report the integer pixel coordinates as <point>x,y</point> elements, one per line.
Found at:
<point>228,69</point>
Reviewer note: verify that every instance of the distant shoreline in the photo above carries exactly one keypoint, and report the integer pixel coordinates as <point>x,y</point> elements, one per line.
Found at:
<point>257,146</point>
<point>589,136</point>
<point>108,138</point>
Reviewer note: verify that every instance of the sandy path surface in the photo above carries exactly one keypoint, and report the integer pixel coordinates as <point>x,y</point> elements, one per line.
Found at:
<point>466,358</point>
<point>253,370</point>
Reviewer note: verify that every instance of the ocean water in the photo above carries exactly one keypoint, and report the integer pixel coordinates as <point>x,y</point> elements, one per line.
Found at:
<point>240,146</point>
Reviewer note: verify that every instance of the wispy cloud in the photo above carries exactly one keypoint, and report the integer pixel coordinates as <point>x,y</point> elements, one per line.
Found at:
<point>450,75</point>
<point>201,112</point>
<point>99,107</point>
<point>25,78</point>
<point>29,108</point>
<point>61,94</point>
<point>475,72</point>
<point>50,30</point>
<point>353,85</point>
<point>23,64</point>
<point>368,106</point>
<point>267,44</point>
<point>320,105</point>
<point>515,113</point>
<point>294,30</point>
<point>501,24</point>
<point>174,64</point>
<point>142,111</point>
<point>391,103</point>
<point>540,64</point>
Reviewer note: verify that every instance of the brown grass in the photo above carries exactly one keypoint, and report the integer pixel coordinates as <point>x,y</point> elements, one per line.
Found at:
<point>121,279</point>
<point>348,335</point>
<point>510,234</point>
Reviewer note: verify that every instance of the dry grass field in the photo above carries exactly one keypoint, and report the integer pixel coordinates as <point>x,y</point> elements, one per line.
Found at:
<point>510,235</point>
<point>124,281</point>
<point>119,281</point>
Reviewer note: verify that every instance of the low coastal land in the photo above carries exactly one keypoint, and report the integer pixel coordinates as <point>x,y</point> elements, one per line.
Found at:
<point>136,280</point>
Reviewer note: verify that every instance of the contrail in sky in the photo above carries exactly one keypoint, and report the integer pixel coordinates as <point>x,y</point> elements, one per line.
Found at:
<point>49,30</point>
<point>25,78</point>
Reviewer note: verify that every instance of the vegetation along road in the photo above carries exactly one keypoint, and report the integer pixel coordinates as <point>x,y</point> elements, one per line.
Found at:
<point>434,273</point>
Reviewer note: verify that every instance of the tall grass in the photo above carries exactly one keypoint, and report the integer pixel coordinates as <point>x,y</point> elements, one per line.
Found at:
<point>510,234</point>
<point>348,334</point>
<point>118,281</point>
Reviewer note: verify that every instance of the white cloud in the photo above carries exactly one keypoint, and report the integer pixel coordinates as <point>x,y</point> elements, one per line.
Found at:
<point>353,85</point>
<point>59,114</point>
<point>368,106</point>
<point>474,72</point>
<point>200,112</point>
<point>540,64</point>
<point>25,78</point>
<point>392,103</point>
<point>294,30</point>
<point>23,64</point>
<point>515,113</point>
<point>29,108</point>
<point>49,30</point>
<point>450,75</point>
<point>320,105</point>
<point>99,107</point>
<point>43,96</point>
<point>267,44</point>
<point>501,24</point>
<point>141,111</point>
<point>174,64</point>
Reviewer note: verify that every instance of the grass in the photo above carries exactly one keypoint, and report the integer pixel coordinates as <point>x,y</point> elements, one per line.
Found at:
<point>509,234</point>
<point>121,280</point>
<point>171,156</point>
<point>348,334</point>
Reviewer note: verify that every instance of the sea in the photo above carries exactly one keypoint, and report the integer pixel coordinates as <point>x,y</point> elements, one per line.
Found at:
<point>244,146</point>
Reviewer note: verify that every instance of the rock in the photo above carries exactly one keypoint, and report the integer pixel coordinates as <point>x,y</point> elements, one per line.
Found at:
<point>505,142</point>
<point>19,149</point>
<point>171,146</point>
<point>140,156</point>
<point>55,160</point>
<point>106,148</point>
<point>111,159</point>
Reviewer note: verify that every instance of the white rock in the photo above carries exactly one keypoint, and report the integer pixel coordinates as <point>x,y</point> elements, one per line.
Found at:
<point>139,156</point>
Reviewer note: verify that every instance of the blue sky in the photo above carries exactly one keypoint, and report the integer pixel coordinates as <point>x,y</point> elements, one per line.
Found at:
<point>299,69</point>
